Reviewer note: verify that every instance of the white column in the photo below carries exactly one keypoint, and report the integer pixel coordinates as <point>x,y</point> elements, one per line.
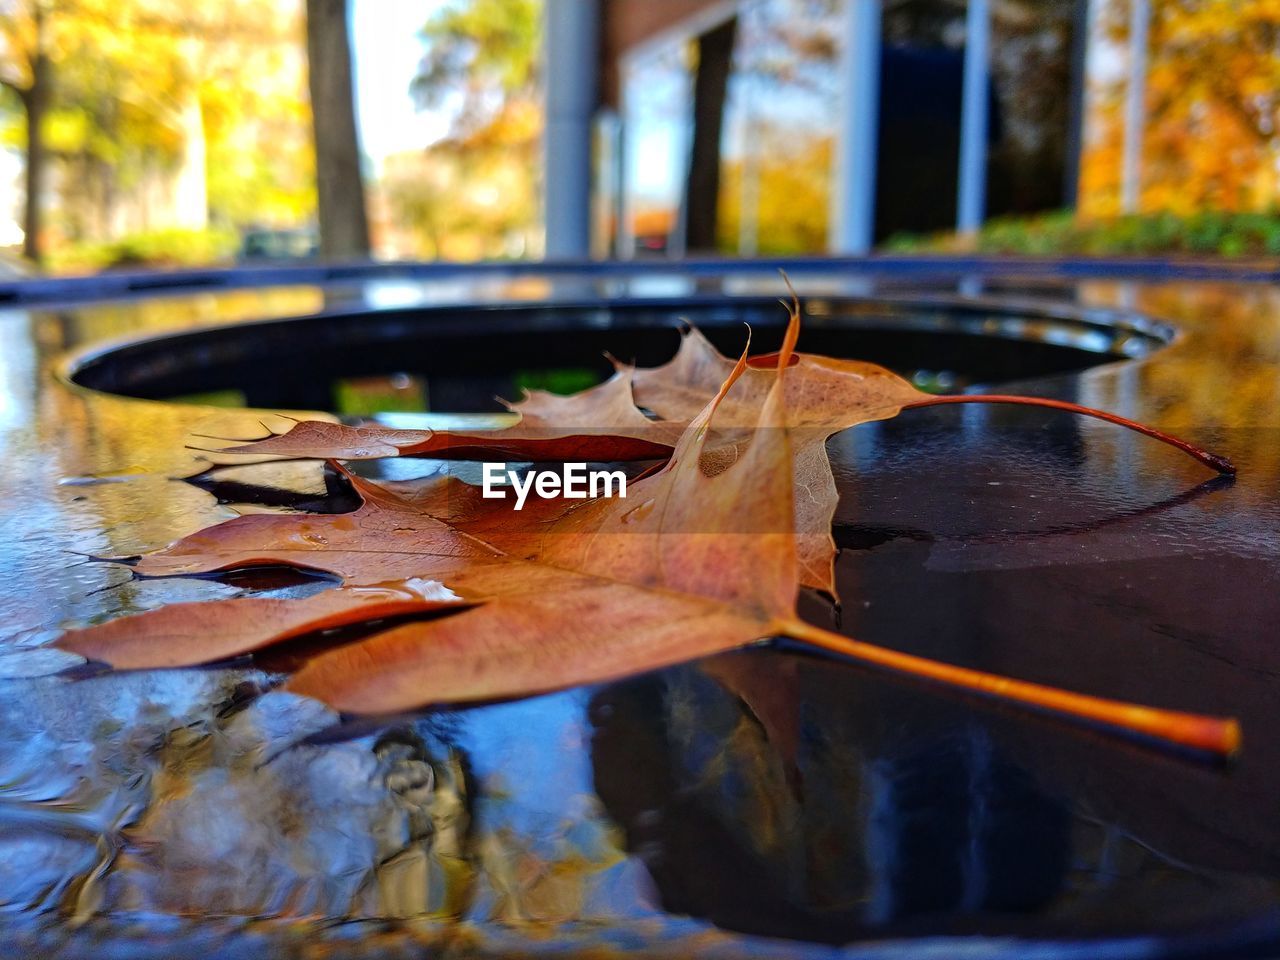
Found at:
<point>570,47</point>
<point>1135,107</point>
<point>971,202</point>
<point>858,120</point>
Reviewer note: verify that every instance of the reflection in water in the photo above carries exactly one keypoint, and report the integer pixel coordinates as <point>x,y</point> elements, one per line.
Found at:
<point>924,820</point>
<point>864,837</point>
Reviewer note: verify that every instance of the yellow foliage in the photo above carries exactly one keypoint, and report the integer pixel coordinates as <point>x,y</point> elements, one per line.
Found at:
<point>1213,84</point>
<point>793,183</point>
<point>146,91</point>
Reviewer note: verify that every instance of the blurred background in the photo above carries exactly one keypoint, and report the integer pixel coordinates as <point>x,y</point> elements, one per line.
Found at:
<point>161,133</point>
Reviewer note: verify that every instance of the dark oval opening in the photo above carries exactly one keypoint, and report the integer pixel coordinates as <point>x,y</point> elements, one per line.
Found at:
<point>458,359</point>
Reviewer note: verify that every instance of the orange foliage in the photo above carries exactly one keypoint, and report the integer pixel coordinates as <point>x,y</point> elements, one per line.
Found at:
<point>1212,109</point>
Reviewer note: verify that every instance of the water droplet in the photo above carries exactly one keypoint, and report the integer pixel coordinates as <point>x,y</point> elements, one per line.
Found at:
<point>638,513</point>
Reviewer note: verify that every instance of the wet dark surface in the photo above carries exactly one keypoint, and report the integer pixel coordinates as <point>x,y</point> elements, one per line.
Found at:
<point>462,352</point>
<point>766,803</point>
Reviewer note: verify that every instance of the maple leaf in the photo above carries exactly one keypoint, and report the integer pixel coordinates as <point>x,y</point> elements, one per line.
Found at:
<point>186,634</point>
<point>700,558</point>
<point>601,423</point>
<point>823,396</point>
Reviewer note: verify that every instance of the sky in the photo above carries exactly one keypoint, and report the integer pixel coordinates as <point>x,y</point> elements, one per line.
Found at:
<point>384,37</point>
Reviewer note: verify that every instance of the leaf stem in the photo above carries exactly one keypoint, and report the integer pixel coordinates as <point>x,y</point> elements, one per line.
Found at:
<point>1216,735</point>
<point>1211,460</point>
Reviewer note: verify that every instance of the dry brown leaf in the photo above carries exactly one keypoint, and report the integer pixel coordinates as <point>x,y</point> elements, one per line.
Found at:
<point>601,423</point>
<point>689,564</point>
<point>186,634</point>
<point>823,397</point>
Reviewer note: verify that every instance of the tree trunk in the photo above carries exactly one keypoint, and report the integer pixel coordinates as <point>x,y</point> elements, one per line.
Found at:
<point>1076,84</point>
<point>35,100</point>
<point>702,189</point>
<point>344,228</point>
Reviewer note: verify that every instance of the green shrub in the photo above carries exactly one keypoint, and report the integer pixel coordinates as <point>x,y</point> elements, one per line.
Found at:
<point>155,249</point>
<point>1060,233</point>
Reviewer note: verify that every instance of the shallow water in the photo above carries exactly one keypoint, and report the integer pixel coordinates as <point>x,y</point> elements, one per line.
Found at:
<point>713,809</point>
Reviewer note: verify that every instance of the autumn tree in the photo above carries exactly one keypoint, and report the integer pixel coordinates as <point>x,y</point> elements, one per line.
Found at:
<point>484,53</point>
<point>477,192</point>
<point>160,115</point>
<point>261,159</point>
<point>28,50</point>
<point>344,226</point>
<point>125,129</point>
<point>1213,109</point>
